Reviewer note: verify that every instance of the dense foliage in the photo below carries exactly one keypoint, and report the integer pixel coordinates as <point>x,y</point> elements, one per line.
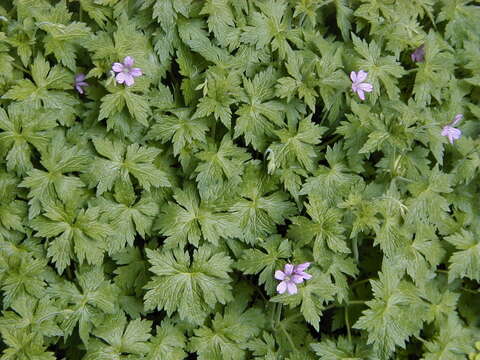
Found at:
<point>144,210</point>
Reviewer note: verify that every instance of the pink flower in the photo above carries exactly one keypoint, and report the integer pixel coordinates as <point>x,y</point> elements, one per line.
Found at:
<point>419,54</point>
<point>290,276</point>
<point>126,71</point>
<point>358,84</point>
<point>79,82</point>
<point>450,131</point>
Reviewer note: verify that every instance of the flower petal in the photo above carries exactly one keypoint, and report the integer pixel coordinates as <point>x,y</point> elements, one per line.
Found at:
<point>136,72</point>
<point>305,276</point>
<point>361,94</point>
<point>282,287</point>
<point>451,133</point>
<point>297,279</point>
<point>288,270</point>
<point>419,54</point>
<point>129,81</point>
<point>445,130</point>
<point>457,119</point>
<point>279,275</point>
<point>353,76</point>
<point>79,89</point>
<point>291,288</point>
<point>120,78</point>
<point>361,76</point>
<point>301,267</point>
<point>456,133</point>
<point>117,67</point>
<point>79,77</point>
<point>128,61</point>
<point>365,87</point>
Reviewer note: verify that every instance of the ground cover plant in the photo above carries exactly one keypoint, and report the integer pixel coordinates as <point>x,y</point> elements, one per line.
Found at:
<point>239,179</point>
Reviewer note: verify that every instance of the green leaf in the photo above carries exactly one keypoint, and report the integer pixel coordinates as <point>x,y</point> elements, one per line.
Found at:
<point>179,128</point>
<point>453,341</point>
<point>23,131</point>
<point>128,217</point>
<point>228,334</point>
<point>22,276</point>
<point>221,168</point>
<point>343,349</point>
<point>297,146</point>
<point>38,316</point>
<point>190,286</point>
<point>132,270</point>
<point>121,162</point>
<point>388,321</point>
<point>312,297</point>
<point>333,181</point>
<point>168,343</point>
<point>63,39</point>
<point>75,231</point>
<point>114,103</point>
<point>21,343</point>
<point>116,338</point>
<point>428,205</point>
<point>261,206</point>
<point>58,159</point>
<point>255,261</point>
<point>221,89</point>
<point>465,262</point>
<point>259,114</point>
<point>384,70</point>
<point>190,220</point>
<point>435,73</point>
<point>324,229</point>
<point>86,305</point>
<point>45,90</point>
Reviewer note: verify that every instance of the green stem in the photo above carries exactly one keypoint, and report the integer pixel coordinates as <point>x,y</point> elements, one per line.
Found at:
<point>332,140</point>
<point>356,302</point>
<point>279,313</point>
<point>288,337</point>
<point>418,337</point>
<point>326,3</point>
<point>359,282</point>
<point>272,319</point>
<point>470,291</point>
<point>347,324</point>
<point>353,302</point>
<point>261,294</point>
<point>21,68</point>
<point>355,248</point>
<point>279,323</point>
